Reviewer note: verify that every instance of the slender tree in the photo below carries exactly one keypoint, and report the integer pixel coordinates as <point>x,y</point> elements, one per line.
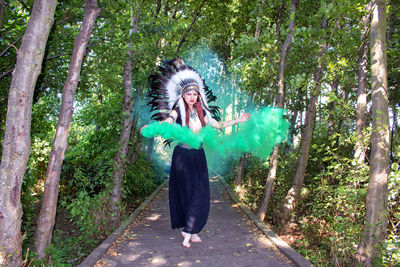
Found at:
<point>242,160</point>
<point>258,25</point>
<point>138,146</point>
<point>369,251</point>
<point>135,121</point>
<point>239,174</point>
<point>16,143</point>
<point>158,8</point>
<point>280,103</point>
<point>359,150</point>
<point>189,29</point>
<point>150,148</point>
<point>293,195</point>
<point>49,204</point>
<point>121,156</point>
<point>391,46</point>
<point>1,12</point>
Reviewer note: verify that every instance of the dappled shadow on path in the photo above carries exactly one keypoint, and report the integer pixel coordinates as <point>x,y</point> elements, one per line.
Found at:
<point>229,239</point>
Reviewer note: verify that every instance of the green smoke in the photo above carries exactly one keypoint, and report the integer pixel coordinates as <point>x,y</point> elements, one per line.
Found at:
<point>259,135</point>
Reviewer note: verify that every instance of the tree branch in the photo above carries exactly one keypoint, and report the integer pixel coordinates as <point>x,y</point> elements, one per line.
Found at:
<point>25,6</point>
<point>196,14</point>
<point>56,56</point>
<point>10,45</point>
<point>4,74</point>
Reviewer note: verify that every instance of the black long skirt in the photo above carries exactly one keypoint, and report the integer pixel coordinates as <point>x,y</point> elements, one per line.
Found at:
<point>189,189</point>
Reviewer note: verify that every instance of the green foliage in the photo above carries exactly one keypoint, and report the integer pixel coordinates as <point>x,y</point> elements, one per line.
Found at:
<point>140,179</point>
<point>392,244</point>
<point>334,202</point>
<point>91,215</point>
<point>67,249</point>
<point>253,182</point>
<point>330,215</point>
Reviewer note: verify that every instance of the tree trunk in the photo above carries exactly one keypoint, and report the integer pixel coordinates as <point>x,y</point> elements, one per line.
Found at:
<point>196,15</point>
<point>49,204</point>
<point>16,143</point>
<point>166,8</point>
<point>361,113</point>
<point>258,25</point>
<point>137,149</point>
<point>273,166</point>
<point>131,146</point>
<point>332,106</point>
<point>280,17</point>
<point>394,129</point>
<point>150,148</point>
<point>369,251</point>
<point>293,120</point>
<point>158,8</point>
<point>1,12</point>
<point>239,175</point>
<point>121,156</point>
<point>293,194</point>
<point>390,46</point>
<point>298,99</point>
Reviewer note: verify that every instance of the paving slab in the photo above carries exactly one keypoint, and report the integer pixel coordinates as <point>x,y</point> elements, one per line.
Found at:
<point>229,238</point>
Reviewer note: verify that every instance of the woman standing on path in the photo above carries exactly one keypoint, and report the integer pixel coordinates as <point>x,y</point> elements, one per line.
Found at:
<point>180,89</point>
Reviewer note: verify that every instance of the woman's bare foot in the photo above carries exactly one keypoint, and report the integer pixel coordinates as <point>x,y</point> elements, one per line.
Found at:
<point>195,238</point>
<point>186,239</point>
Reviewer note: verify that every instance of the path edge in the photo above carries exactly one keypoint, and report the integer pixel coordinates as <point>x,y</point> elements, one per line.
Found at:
<point>289,252</point>
<point>100,250</point>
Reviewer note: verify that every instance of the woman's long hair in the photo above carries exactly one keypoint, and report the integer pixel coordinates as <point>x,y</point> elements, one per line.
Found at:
<point>199,109</point>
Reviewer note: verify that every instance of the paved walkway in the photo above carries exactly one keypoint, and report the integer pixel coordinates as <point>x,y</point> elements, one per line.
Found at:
<point>229,239</point>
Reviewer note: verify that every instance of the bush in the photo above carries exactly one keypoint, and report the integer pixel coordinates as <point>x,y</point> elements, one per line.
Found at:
<point>392,244</point>
<point>140,179</point>
<point>91,215</point>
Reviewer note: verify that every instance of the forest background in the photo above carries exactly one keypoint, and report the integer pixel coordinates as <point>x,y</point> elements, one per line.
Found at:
<point>88,79</point>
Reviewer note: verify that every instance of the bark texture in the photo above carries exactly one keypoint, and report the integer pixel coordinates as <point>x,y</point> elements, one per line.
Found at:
<point>16,143</point>
<point>150,148</point>
<point>48,210</point>
<point>195,17</point>
<point>122,153</point>
<point>280,103</point>
<point>293,195</point>
<point>258,25</point>
<point>135,121</point>
<point>239,175</point>
<point>1,12</point>
<point>138,146</point>
<point>361,113</point>
<point>369,251</point>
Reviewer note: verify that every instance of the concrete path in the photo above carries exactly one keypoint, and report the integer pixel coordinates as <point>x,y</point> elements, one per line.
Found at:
<point>229,239</point>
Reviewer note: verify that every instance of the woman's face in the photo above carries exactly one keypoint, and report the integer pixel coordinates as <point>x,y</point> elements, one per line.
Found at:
<point>191,97</point>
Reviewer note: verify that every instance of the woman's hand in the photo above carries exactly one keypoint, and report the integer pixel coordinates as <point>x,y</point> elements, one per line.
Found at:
<point>243,117</point>
<point>141,129</point>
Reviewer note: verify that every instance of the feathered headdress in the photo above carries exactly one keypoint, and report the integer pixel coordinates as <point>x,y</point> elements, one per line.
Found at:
<point>173,80</point>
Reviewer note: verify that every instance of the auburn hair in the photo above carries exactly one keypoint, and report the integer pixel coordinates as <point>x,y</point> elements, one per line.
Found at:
<point>199,109</point>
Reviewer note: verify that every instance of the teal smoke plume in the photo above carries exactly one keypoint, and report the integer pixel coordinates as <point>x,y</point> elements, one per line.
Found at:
<point>259,135</point>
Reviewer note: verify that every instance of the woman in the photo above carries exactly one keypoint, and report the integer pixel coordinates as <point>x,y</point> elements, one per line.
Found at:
<point>189,189</point>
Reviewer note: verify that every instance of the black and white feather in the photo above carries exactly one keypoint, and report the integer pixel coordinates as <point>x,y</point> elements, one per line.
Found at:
<point>166,90</point>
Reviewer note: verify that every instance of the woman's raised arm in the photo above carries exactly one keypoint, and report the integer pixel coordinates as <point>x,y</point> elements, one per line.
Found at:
<point>173,115</point>
<point>223,124</point>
